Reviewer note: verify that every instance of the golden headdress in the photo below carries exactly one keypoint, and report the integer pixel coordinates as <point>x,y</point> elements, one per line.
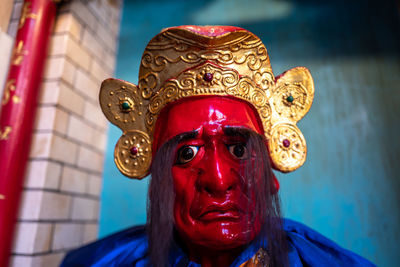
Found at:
<point>189,61</point>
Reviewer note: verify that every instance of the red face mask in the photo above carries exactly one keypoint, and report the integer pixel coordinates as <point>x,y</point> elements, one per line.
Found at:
<point>213,209</point>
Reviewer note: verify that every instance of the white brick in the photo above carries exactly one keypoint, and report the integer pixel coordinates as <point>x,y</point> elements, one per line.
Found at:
<point>68,73</point>
<point>68,24</point>
<point>12,28</point>
<point>31,204</point>
<point>63,150</point>
<point>60,121</point>
<point>49,145</point>
<point>79,130</point>
<point>84,209</point>
<point>52,118</point>
<point>86,85</point>
<point>93,113</point>
<point>54,67</point>
<point>91,44</point>
<point>54,206</point>
<point>18,261</point>
<point>77,54</point>
<point>106,35</point>
<point>44,205</point>
<point>49,92</point>
<point>109,60</point>
<point>73,180</point>
<point>67,235</point>
<point>99,9</point>
<point>84,15</point>
<point>41,144</point>
<point>43,174</point>
<point>6,47</point>
<point>90,232</point>
<point>89,159</point>
<point>48,260</point>
<point>58,44</point>
<point>94,187</point>
<point>71,100</point>
<point>59,67</point>
<point>16,13</point>
<point>32,238</point>
<point>56,92</point>
<point>115,26</point>
<point>99,72</point>
<point>99,140</point>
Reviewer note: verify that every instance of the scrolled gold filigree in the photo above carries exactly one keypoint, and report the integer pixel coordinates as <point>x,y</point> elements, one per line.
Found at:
<point>242,49</point>
<point>225,82</point>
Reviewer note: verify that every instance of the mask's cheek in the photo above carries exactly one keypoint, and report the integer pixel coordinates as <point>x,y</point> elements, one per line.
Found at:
<point>185,193</point>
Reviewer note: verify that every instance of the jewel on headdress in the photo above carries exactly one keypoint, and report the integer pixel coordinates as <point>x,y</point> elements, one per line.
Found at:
<point>134,151</point>
<point>125,105</point>
<point>208,77</point>
<point>289,99</point>
<point>286,143</point>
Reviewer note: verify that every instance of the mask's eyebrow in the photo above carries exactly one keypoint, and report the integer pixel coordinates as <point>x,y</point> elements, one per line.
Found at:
<point>185,136</point>
<point>237,131</point>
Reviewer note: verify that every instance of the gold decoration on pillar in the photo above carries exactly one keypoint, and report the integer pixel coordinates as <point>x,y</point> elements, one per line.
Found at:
<point>18,53</point>
<point>2,197</point>
<point>26,14</point>
<point>5,132</point>
<point>180,63</point>
<point>10,87</point>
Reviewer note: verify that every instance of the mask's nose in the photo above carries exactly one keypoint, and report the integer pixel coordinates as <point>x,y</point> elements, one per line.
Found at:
<point>217,176</point>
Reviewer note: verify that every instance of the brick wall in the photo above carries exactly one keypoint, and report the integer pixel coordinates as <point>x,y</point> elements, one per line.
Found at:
<point>60,205</point>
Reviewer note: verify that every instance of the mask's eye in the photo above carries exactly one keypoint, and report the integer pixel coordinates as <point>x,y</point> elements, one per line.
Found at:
<point>186,154</point>
<point>238,150</point>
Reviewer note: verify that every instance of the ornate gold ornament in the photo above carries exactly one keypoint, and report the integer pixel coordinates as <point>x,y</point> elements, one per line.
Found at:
<point>26,14</point>
<point>2,197</point>
<point>5,133</point>
<point>179,63</point>
<point>260,259</point>
<point>8,88</point>
<point>18,53</point>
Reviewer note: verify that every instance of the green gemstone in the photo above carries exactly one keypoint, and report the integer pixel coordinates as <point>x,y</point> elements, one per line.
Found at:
<point>289,99</point>
<point>125,105</point>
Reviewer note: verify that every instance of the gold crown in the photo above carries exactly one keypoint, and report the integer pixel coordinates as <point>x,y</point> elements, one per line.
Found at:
<point>179,63</point>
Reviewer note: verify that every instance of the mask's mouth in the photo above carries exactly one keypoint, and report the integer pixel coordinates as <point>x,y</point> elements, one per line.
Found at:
<point>217,212</point>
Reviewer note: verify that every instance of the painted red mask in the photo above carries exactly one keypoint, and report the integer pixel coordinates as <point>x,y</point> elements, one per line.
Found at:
<point>213,208</point>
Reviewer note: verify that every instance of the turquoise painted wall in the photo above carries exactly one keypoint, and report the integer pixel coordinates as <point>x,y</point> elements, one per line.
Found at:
<point>349,188</point>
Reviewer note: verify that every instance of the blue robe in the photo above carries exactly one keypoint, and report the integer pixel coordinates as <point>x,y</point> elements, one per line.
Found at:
<point>130,248</point>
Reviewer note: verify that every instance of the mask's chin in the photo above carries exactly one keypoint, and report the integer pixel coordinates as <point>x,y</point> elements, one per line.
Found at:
<point>219,235</point>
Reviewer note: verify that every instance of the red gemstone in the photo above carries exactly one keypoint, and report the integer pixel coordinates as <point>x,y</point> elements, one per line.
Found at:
<point>286,143</point>
<point>208,77</point>
<point>134,150</point>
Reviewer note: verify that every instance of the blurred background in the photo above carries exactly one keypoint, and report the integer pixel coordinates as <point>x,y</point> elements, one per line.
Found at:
<point>349,187</point>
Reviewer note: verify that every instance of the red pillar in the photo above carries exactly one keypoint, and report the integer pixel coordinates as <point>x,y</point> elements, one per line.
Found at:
<point>18,110</point>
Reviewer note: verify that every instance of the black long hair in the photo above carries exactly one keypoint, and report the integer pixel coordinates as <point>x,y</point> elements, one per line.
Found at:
<point>160,206</point>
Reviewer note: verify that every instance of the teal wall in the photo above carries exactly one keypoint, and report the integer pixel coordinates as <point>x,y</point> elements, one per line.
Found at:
<point>349,188</point>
